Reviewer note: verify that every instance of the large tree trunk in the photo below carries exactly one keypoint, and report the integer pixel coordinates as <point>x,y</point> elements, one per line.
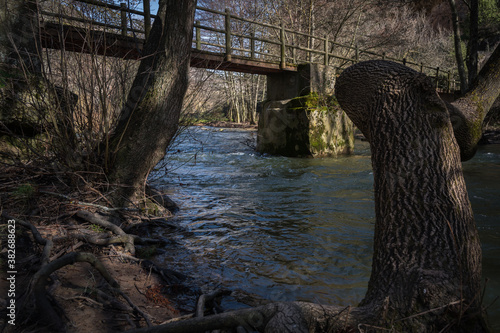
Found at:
<point>426,252</point>
<point>29,103</point>
<point>150,117</point>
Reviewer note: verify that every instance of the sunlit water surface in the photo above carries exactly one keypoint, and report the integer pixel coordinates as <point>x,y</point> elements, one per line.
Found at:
<point>296,229</point>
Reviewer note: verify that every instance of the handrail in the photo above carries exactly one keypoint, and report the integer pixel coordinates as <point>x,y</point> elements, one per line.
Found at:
<point>262,42</point>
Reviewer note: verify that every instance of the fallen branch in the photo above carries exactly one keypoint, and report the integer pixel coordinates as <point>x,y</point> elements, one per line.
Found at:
<point>253,318</point>
<point>71,248</point>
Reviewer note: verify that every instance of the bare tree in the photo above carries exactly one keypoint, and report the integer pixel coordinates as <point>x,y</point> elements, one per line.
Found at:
<point>150,117</point>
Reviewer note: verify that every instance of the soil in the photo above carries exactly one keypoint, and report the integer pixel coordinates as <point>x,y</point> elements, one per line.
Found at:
<point>82,297</point>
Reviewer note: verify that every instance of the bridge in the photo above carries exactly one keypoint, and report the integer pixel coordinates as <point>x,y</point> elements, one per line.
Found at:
<point>221,40</point>
<point>296,64</point>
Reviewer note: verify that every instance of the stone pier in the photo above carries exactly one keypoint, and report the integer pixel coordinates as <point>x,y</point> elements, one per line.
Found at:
<point>301,117</point>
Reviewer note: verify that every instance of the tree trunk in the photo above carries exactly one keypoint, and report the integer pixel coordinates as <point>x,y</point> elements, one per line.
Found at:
<point>29,103</point>
<point>426,251</point>
<point>19,60</point>
<point>473,44</point>
<point>18,30</point>
<point>150,117</point>
<point>458,46</point>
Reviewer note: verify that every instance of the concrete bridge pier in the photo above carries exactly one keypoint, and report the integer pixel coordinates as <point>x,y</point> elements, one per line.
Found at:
<point>301,117</point>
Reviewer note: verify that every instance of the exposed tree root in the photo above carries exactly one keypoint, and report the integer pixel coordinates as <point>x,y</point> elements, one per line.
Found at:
<point>206,298</point>
<point>38,238</point>
<point>95,219</point>
<point>298,317</point>
<point>50,264</point>
<point>40,281</point>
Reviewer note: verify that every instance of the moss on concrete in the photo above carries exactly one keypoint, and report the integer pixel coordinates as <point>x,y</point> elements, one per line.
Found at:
<point>310,125</point>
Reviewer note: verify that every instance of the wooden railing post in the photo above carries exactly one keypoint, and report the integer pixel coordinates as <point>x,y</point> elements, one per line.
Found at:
<point>448,86</point>
<point>327,57</point>
<point>228,35</point>
<point>383,56</point>
<point>123,13</point>
<point>198,35</point>
<point>147,17</point>
<point>437,77</point>
<point>421,67</point>
<point>252,45</point>
<point>283,47</point>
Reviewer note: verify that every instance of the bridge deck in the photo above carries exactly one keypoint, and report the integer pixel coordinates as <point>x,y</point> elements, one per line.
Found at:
<point>223,41</point>
<point>74,39</point>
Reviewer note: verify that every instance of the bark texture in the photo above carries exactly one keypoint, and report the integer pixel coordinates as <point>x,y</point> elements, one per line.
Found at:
<point>426,251</point>
<point>150,117</point>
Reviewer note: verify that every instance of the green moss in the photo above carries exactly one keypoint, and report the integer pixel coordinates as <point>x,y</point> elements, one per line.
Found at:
<point>96,228</point>
<point>316,102</point>
<point>316,140</point>
<point>24,192</point>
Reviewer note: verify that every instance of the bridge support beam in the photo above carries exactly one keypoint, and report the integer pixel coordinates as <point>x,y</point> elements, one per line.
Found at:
<point>301,118</point>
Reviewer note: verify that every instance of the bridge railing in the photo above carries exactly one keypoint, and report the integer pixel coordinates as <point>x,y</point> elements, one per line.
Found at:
<point>221,32</point>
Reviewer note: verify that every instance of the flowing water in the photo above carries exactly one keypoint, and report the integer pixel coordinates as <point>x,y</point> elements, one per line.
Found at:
<point>295,229</point>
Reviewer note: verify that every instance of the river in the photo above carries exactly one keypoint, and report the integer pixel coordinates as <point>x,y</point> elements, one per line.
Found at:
<point>295,229</point>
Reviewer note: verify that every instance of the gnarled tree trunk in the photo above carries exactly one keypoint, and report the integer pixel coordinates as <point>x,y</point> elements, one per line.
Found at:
<point>150,117</point>
<point>426,252</point>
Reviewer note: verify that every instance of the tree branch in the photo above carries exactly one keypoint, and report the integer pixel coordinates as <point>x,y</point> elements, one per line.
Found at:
<point>468,112</point>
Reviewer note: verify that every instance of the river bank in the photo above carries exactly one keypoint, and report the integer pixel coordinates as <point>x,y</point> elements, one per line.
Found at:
<point>58,231</point>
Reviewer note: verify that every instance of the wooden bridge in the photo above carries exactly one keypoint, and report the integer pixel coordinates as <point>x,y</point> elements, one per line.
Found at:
<point>222,41</point>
